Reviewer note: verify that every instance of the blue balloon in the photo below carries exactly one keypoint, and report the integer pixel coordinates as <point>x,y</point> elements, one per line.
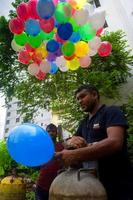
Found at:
<point>65,31</point>
<point>30,145</point>
<point>45,9</point>
<point>53,69</point>
<point>52,46</point>
<point>32,27</point>
<point>75,37</point>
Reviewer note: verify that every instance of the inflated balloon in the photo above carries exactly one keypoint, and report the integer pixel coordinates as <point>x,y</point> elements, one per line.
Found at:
<point>61,33</point>
<point>41,75</point>
<point>33,69</point>
<point>21,39</point>
<point>47,25</point>
<point>52,46</point>
<point>45,66</point>
<point>35,41</point>
<point>81,49</point>
<point>30,145</point>
<point>85,61</point>
<point>53,68</point>
<point>16,47</point>
<point>32,4</point>
<point>16,26</point>
<point>63,12</point>
<point>45,9</point>
<point>81,16</point>
<point>32,27</point>
<point>68,49</point>
<point>73,64</point>
<point>22,11</point>
<point>65,31</point>
<point>24,57</point>
<point>105,49</point>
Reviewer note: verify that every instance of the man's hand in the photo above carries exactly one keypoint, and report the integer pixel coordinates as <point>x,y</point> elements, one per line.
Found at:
<point>67,157</point>
<point>76,142</point>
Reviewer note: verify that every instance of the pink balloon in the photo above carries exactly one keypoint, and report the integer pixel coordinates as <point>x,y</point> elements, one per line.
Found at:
<point>24,57</point>
<point>16,26</point>
<point>22,11</point>
<point>32,5</point>
<point>105,49</point>
<point>55,2</point>
<point>41,75</point>
<point>47,25</point>
<point>85,61</point>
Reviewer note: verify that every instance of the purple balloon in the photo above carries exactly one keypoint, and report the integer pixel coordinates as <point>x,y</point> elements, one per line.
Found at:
<point>51,57</point>
<point>58,52</point>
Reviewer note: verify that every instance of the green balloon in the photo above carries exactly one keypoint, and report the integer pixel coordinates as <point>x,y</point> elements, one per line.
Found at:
<point>35,41</point>
<point>47,36</point>
<point>63,12</point>
<point>21,39</point>
<point>68,49</point>
<point>87,32</point>
<point>74,24</point>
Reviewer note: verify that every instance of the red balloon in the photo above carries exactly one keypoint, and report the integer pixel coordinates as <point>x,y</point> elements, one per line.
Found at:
<point>41,75</point>
<point>69,57</point>
<point>47,25</point>
<point>16,26</point>
<point>24,57</point>
<point>22,11</point>
<point>29,48</point>
<point>37,58</point>
<point>99,31</point>
<point>105,49</point>
<point>32,5</point>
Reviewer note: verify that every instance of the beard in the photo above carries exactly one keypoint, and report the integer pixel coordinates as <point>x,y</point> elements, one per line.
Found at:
<point>90,107</point>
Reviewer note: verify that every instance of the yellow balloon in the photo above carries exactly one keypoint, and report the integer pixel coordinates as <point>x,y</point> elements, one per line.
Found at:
<point>77,4</point>
<point>73,64</point>
<point>81,49</point>
<point>42,51</point>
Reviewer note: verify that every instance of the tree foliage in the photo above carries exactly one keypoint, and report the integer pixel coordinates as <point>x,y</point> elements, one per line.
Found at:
<point>56,92</point>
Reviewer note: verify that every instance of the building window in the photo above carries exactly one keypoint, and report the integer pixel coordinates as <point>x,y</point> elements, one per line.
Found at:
<point>8,114</point>
<point>9,106</point>
<point>18,103</point>
<point>42,115</point>
<point>8,122</point>
<point>41,124</point>
<point>7,129</point>
<point>17,119</point>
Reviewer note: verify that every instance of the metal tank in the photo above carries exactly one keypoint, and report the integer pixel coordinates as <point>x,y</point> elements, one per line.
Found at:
<point>75,184</point>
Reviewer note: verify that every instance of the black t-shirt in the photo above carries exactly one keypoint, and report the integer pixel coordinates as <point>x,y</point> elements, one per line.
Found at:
<point>112,168</point>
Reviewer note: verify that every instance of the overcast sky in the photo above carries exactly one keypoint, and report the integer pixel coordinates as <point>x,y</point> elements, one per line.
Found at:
<point>5,6</point>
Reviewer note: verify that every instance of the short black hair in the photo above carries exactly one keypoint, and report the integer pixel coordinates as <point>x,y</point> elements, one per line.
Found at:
<point>51,127</point>
<point>89,88</point>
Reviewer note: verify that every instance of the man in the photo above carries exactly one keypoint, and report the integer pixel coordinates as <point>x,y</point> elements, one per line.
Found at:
<point>101,137</point>
<point>48,171</point>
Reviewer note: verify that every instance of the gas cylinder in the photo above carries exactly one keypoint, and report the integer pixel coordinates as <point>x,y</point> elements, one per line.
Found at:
<point>74,184</point>
<point>12,188</point>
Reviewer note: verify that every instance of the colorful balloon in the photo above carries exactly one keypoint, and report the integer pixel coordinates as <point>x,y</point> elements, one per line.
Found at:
<point>41,75</point>
<point>21,39</point>
<point>81,49</point>
<point>16,26</point>
<point>32,4</point>
<point>32,27</point>
<point>105,49</point>
<point>73,64</point>
<point>22,11</point>
<point>53,69</point>
<point>65,31</point>
<point>24,57</point>
<point>45,66</point>
<point>30,145</point>
<point>52,46</point>
<point>68,49</point>
<point>45,9</point>
<point>47,25</point>
<point>63,12</point>
<point>16,47</point>
<point>85,61</point>
<point>33,69</point>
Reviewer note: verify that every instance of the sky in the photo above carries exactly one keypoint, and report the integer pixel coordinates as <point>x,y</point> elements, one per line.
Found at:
<point>5,6</point>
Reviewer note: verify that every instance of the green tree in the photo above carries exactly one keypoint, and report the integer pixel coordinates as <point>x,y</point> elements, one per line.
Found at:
<point>56,91</point>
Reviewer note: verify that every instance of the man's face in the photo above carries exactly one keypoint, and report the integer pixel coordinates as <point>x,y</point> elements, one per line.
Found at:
<point>87,100</point>
<point>52,132</point>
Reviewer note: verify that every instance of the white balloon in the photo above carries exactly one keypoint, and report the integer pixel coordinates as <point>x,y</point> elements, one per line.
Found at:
<point>97,19</point>
<point>16,47</point>
<point>92,52</point>
<point>63,68</point>
<point>89,7</point>
<point>33,69</point>
<point>45,66</point>
<point>81,16</point>
<point>61,61</point>
<point>95,43</point>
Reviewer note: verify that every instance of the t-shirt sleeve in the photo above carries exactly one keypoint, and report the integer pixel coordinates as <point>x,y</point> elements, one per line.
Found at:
<point>115,117</point>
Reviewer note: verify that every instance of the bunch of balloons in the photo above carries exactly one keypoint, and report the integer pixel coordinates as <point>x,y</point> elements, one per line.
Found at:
<point>30,145</point>
<point>52,34</point>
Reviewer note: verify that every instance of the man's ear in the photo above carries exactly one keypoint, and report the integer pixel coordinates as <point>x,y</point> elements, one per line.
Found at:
<point>95,95</point>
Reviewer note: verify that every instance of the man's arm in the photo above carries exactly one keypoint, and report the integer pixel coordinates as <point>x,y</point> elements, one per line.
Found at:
<point>113,143</point>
